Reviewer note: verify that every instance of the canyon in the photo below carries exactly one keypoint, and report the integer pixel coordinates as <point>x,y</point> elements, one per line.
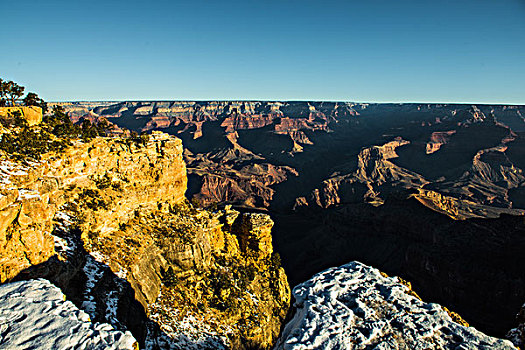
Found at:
<point>190,235</point>
<point>429,192</point>
<point>104,223</point>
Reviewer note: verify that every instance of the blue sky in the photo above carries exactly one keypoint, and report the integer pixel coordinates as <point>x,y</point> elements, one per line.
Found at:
<point>368,51</point>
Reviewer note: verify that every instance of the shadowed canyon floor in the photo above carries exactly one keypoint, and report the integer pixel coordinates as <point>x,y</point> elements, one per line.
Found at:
<point>417,190</point>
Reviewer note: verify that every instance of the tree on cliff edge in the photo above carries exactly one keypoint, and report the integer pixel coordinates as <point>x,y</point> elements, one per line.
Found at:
<point>10,92</point>
<point>3,99</point>
<point>32,99</point>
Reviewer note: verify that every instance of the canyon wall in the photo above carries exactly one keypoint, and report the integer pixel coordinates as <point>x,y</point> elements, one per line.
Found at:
<point>33,193</point>
<point>430,192</point>
<point>106,220</point>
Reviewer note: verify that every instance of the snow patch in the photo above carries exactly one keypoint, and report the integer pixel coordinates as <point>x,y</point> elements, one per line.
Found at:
<point>12,169</point>
<point>355,307</point>
<point>65,242</point>
<point>25,194</point>
<point>9,169</point>
<point>35,315</point>
<point>183,332</point>
<point>93,273</point>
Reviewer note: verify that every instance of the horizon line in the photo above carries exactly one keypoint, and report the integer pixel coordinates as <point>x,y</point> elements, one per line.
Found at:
<point>295,100</point>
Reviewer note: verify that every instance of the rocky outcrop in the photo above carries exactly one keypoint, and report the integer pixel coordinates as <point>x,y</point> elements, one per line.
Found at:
<point>250,184</point>
<point>205,279</point>
<point>109,177</point>
<point>517,335</point>
<point>374,177</point>
<point>32,114</point>
<point>438,139</point>
<point>217,269</point>
<point>459,209</point>
<point>107,222</point>
<point>356,307</point>
<point>242,122</point>
<point>35,315</point>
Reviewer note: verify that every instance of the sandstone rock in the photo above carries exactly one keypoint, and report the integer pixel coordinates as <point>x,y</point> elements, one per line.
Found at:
<point>32,114</point>
<point>438,139</point>
<point>114,214</point>
<point>254,232</point>
<point>189,266</point>
<point>129,176</point>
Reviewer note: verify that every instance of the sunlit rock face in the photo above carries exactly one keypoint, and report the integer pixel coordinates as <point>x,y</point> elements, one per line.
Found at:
<point>35,315</point>
<point>357,307</point>
<point>108,223</point>
<point>128,174</point>
<point>32,114</point>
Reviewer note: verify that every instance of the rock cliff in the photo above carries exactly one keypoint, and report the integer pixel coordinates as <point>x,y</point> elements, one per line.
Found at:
<point>414,189</point>
<point>357,307</point>
<point>107,221</point>
<point>32,114</point>
<point>110,177</point>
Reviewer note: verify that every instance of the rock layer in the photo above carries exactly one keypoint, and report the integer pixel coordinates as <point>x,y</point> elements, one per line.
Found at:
<point>107,222</point>
<point>32,193</point>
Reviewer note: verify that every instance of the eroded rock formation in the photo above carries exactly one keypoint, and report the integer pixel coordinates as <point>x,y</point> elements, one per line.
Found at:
<point>107,222</point>
<point>33,192</point>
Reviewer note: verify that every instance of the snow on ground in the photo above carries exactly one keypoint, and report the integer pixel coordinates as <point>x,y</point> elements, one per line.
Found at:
<point>96,265</point>
<point>25,194</point>
<point>93,273</point>
<point>94,269</point>
<point>190,332</point>
<point>9,169</point>
<point>355,307</point>
<point>12,169</point>
<point>101,258</point>
<point>65,243</point>
<point>35,315</point>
